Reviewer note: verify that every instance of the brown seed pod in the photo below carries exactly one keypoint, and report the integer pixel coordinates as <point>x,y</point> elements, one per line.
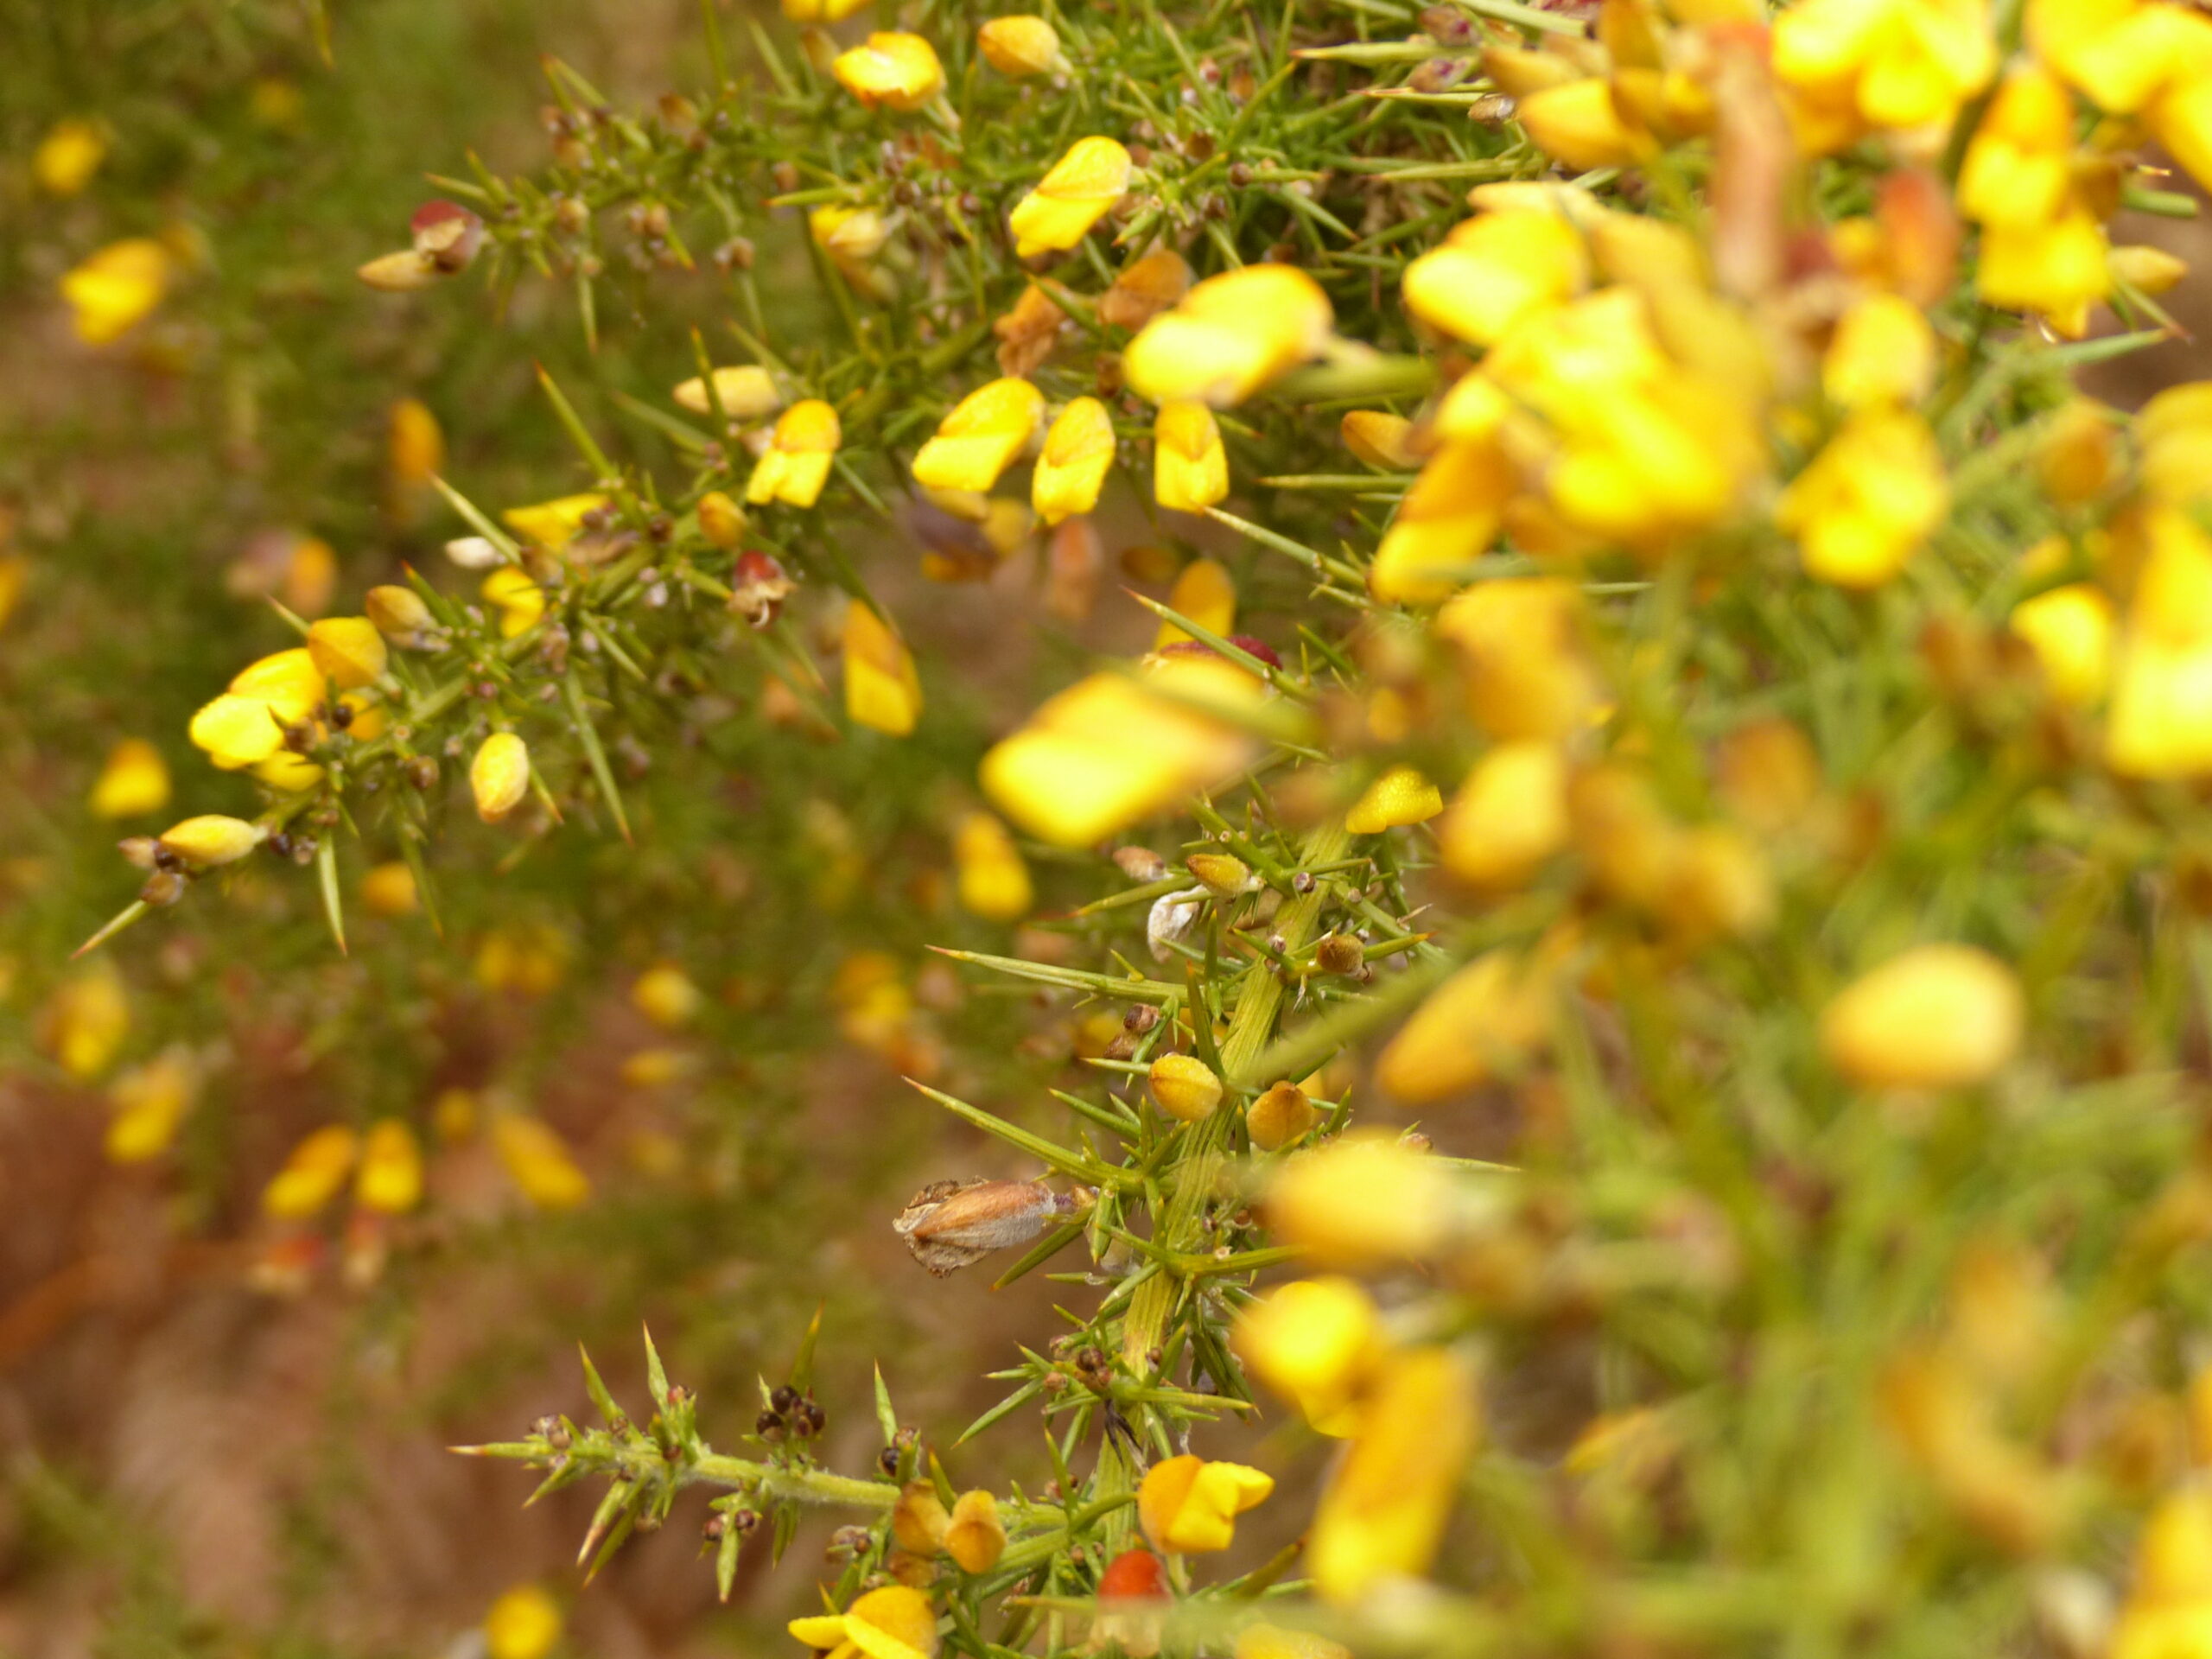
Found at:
<point>948,1224</point>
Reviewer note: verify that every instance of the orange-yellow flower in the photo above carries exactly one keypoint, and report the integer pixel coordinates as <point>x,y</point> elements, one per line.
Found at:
<point>892,1623</point>
<point>85,1021</point>
<point>796,465</point>
<point>1081,189</point>
<point>897,71</point>
<point>390,1179</point>
<point>1868,500</point>
<point>68,155</point>
<point>312,1174</point>
<point>1189,1506</point>
<point>1383,1514</point>
<point>1316,1342</point>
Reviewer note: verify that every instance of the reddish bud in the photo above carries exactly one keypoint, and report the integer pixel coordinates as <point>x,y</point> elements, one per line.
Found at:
<point>1134,1576</point>
<point>446,234</point>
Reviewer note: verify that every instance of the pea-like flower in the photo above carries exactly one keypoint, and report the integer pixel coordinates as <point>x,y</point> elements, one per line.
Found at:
<point>1889,63</point>
<point>1078,454</point>
<point>115,290</point>
<point>897,71</point>
<point>1230,336</point>
<point>1384,1513</point>
<point>553,524</point>
<point>134,779</point>
<point>1206,593</point>
<point>892,1623</point>
<point>882,690</point>
<point>68,155</point>
<point>538,1161</point>
<point>246,725</point>
<point>210,840</point>
<point>347,651</point>
<point>994,879</point>
<point>1447,519</point>
<point>519,602</point>
<point>985,433</point>
<point>313,1172</point>
<point>1190,467</point>
<point>1869,499</point>
<point>1317,1342</point>
<point>389,1178</point>
<point>796,465</point>
<point>1188,1506</point>
<point>1400,796</point>
<point>1081,189</point>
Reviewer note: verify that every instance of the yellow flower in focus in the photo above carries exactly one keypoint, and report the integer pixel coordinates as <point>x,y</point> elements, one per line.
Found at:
<point>135,780</point>
<point>796,465</point>
<point>1487,1020</point>
<point>68,155</point>
<point>1884,353</point>
<point>151,1101</point>
<point>525,1622</point>
<point>983,435</point>
<point>1446,520</point>
<point>1190,467</point>
<point>388,889</point>
<point>1509,817</point>
<point>1080,190</point>
<point>211,840</point>
<point>538,1162</point>
<point>312,1174</point>
<point>994,879</point>
<point>347,651</point>
<point>390,1179</point>
<point>1399,796</point>
<point>498,777</point>
<point>1230,336</point>
<point>1022,46</point>
<point>1108,752</point>
<point>1896,63</point>
<point>897,71</point>
<point>1316,1342</point>
<point>116,288</point>
<point>415,447</point>
<point>519,601</point>
<point>2070,630</point>
<point>553,524</point>
<point>1078,454</point>
<point>747,392</point>
<point>892,1623</point>
<point>1205,593</point>
<point>1937,1016</point>
<point>1492,271</point>
<point>882,690</point>
<point>1188,1506</point>
<point>1868,500</point>
<point>1383,1514</point>
<point>1365,1199</point>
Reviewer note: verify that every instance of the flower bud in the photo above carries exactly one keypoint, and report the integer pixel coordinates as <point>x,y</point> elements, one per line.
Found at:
<point>446,235</point>
<point>1399,796</point>
<point>1280,1117</point>
<point>722,521</point>
<point>746,393</point>
<point>499,775</point>
<point>1339,953</point>
<point>399,273</point>
<point>919,1520</point>
<point>1222,875</point>
<point>1185,1087</point>
<point>399,613</point>
<point>204,842</point>
<point>474,552</point>
<point>347,651</point>
<point>1939,1016</point>
<point>1020,47</point>
<point>975,1538</point>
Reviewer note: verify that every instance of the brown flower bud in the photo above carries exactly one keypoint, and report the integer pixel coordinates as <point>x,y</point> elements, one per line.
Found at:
<point>446,234</point>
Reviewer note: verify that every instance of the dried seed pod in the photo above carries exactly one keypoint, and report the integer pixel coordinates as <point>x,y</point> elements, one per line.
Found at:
<point>948,1224</point>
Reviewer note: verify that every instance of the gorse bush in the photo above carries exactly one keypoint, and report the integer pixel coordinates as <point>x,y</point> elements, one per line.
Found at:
<point>1658,669</point>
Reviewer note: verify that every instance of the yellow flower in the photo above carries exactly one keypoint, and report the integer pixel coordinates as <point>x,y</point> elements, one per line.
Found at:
<point>537,1162</point>
<point>1204,593</point>
<point>665,995</point>
<point>68,155</point>
<point>86,1021</point>
<point>882,691</point>
<point>135,780</point>
<point>892,1623</point>
<point>1142,291</point>
<point>722,521</point>
<point>2130,56</point>
<point>1384,1513</point>
<point>1190,467</point>
<point>1884,353</point>
<point>1519,641</point>
<point>1184,1086</point>
<point>1447,518</point>
<point>1938,1016</point>
<point>986,431</point>
<point>1189,1507</point>
<point>208,841</point>
<point>415,448</point>
<point>114,289</point>
<point>390,1179</point>
<point>747,392</point>
<point>151,1101</point>
<point>1316,1342</point>
<point>246,726</point>
<point>553,524</point>
<point>797,462</point>
<point>1895,63</point>
<point>2019,167</point>
<point>2160,724</point>
<point>1108,752</point>
<point>1399,796</point>
<point>312,1174</point>
<point>525,1622</point>
<point>1379,439</point>
<point>1492,271</point>
<point>388,889</point>
<point>499,775</point>
<point>898,71</point>
<point>1280,1117</point>
<point>1022,46</point>
<point>975,1538</point>
<point>852,237</point>
<point>2174,433</point>
<point>1272,1641</point>
<point>347,651</point>
<point>1868,499</point>
<point>1578,125</point>
<point>1487,1019</point>
<point>519,601</point>
<point>1230,336</point>
<point>2070,630</point>
<point>1081,189</point>
<point>1365,1199</point>
<point>1509,817</point>
<point>1078,454</point>
<point>993,881</point>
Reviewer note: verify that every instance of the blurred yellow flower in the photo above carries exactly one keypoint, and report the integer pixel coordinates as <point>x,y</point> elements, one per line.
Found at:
<point>68,155</point>
<point>553,524</point>
<point>415,445</point>
<point>116,288</point>
<point>882,690</point>
<point>1447,521</point>
<point>86,1019</point>
<point>525,1622</point>
<point>135,780</point>
<point>1204,592</point>
<point>1894,63</point>
<point>665,995</point>
<point>1021,46</point>
<point>538,1162</point>
<point>746,393</point>
<point>1190,468</point>
<point>1937,1016</point>
<point>1383,1513</point>
<point>151,1101</point>
<point>897,71</point>
<point>388,889</point>
<point>1078,454</point>
<point>1487,1020</point>
<point>1230,336</point>
<point>1365,1199</point>
<point>1491,272</point>
<point>1316,1342</point>
<point>975,1537</point>
<point>519,601</point>
<point>312,1174</point>
<point>1399,796</point>
<point>389,1178</point>
<point>2070,630</point>
<point>994,879</point>
<point>1868,500</point>
<point>1509,816</point>
<point>347,651</point>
